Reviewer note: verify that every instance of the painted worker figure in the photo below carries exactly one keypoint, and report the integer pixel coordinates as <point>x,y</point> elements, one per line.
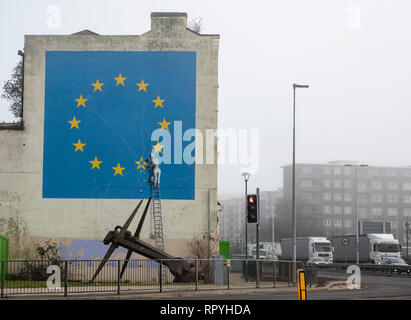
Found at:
<point>156,171</point>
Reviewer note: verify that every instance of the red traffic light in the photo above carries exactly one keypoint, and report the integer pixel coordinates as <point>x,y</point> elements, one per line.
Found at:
<point>250,199</point>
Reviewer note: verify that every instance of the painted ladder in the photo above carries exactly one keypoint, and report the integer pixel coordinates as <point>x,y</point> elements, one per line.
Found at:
<point>157,217</point>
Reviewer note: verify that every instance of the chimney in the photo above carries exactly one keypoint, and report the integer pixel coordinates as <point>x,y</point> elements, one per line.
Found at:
<point>168,23</point>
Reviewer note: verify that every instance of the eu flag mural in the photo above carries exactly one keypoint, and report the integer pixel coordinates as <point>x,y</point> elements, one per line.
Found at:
<point>101,108</point>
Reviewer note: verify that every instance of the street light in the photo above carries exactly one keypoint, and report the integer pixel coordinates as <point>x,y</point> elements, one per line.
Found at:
<point>246,176</point>
<point>356,210</point>
<point>293,197</point>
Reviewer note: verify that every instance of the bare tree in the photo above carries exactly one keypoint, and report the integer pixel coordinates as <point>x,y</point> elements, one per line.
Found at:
<point>196,24</point>
<point>13,91</point>
<point>203,248</point>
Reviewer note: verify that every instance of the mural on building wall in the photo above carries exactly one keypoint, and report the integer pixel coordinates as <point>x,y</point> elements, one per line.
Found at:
<point>102,110</point>
<point>95,250</point>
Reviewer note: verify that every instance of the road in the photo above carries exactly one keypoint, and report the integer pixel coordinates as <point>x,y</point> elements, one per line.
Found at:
<point>377,287</point>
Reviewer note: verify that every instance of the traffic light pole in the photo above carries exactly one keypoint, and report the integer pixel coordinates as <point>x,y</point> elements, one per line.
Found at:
<point>257,230</point>
<point>246,234</point>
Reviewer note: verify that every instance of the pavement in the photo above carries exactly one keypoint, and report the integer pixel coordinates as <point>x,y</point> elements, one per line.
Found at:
<point>281,288</point>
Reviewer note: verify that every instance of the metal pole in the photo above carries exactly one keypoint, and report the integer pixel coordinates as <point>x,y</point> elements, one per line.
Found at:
<point>293,198</point>
<point>2,278</point>
<point>246,234</point>
<point>407,225</point>
<point>118,276</point>
<point>65,277</point>
<point>257,230</point>
<point>196,270</point>
<point>160,274</point>
<point>356,211</point>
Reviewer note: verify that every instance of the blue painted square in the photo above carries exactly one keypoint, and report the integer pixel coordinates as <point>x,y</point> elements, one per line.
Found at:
<point>116,122</point>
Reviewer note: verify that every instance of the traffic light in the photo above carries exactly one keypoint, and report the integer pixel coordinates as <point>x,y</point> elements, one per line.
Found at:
<point>252,215</point>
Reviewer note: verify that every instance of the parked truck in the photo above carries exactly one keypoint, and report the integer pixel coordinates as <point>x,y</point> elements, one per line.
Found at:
<point>372,248</point>
<point>307,248</point>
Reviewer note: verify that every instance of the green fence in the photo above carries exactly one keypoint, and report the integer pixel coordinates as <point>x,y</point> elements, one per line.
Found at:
<point>4,253</point>
<point>225,249</point>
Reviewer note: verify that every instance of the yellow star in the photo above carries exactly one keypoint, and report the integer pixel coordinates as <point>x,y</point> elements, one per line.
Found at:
<point>158,102</point>
<point>158,147</point>
<point>141,164</point>
<point>142,86</point>
<point>120,80</point>
<point>74,123</point>
<point>79,146</point>
<point>118,169</point>
<point>80,101</point>
<point>95,163</point>
<point>97,86</point>
<point>164,124</point>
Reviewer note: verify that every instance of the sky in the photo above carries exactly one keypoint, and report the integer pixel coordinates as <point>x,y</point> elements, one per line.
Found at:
<point>355,56</point>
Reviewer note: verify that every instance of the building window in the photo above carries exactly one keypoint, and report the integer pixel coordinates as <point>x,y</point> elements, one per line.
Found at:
<point>347,171</point>
<point>406,186</point>
<point>306,183</point>
<point>347,223</point>
<point>307,210</point>
<point>347,210</point>
<point>362,212</point>
<point>337,196</point>
<point>327,222</point>
<point>392,186</point>
<point>327,183</point>
<point>362,198</point>
<point>376,197</point>
<point>392,212</point>
<point>376,211</point>
<point>376,185</point>
<point>307,170</point>
<point>337,210</point>
<point>327,209</point>
<point>347,197</point>
<point>406,212</point>
<point>327,170</point>
<point>347,183</point>
<point>337,183</point>
<point>337,222</point>
<point>327,196</point>
<point>406,198</point>
<point>337,171</point>
<point>393,198</point>
<point>362,186</point>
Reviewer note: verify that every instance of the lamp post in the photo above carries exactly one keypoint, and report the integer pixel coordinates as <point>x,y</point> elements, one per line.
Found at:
<point>406,230</point>
<point>246,176</point>
<point>357,236</point>
<point>293,191</point>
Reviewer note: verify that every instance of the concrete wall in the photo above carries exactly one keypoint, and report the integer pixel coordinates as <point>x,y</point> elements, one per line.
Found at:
<point>27,218</point>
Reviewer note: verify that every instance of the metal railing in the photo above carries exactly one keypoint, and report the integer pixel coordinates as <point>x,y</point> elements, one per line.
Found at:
<point>65,277</point>
<point>372,268</point>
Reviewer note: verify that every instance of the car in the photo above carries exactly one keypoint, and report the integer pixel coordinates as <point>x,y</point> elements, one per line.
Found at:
<point>271,257</point>
<point>316,260</point>
<point>398,265</point>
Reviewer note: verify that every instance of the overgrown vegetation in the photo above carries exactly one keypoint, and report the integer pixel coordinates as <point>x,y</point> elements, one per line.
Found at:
<point>196,24</point>
<point>203,248</point>
<point>13,91</point>
<point>48,254</point>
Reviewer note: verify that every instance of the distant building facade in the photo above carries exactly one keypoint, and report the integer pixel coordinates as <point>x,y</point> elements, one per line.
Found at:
<point>333,192</point>
<point>232,225</point>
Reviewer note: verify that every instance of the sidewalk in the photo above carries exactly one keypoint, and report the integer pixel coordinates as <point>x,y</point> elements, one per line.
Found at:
<point>175,294</point>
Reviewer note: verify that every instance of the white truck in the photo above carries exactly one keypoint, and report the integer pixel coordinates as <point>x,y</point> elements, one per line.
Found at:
<point>372,248</point>
<point>307,248</point>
